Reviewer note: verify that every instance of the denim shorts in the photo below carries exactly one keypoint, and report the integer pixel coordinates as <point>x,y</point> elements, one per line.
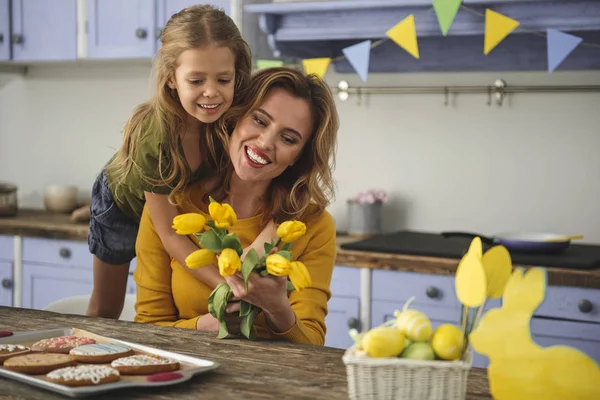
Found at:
<point>112,233</point>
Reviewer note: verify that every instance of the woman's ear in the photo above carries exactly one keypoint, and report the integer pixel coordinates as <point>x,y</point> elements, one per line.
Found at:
<point>171,84</point>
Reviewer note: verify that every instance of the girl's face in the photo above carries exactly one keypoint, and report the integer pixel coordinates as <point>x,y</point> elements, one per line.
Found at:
<point>205,80</point>
<point>271,138</point>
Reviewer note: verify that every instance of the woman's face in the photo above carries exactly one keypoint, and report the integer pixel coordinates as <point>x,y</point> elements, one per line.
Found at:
<point>271,138</point>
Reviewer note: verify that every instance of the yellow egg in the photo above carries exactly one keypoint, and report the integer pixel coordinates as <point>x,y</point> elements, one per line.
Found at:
<point>414,324</point>
<point>447,341</point>
<point>383,342</point>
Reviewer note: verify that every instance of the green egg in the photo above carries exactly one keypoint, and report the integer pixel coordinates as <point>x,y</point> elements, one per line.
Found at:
<point>419,351</point>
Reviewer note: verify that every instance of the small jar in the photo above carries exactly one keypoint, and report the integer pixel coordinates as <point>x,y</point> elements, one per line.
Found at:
<point>364,220</point>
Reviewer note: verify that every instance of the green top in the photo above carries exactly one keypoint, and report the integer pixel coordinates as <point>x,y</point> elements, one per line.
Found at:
<point>130,196</point>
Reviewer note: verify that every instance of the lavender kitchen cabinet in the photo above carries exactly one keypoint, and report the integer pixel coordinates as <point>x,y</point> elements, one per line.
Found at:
<point>6,283</point>
<point>343,307</point>
<point>121,29</point>
<point>166,8</point>
<point>44,30</point>
<point>4,31</point>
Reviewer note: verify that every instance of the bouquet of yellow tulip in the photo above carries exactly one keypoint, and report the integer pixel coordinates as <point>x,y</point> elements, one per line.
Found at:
<point>224,249</point>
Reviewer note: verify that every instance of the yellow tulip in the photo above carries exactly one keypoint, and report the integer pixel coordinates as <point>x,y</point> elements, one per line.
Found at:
<point>278,265</point>
<point>229,262</point>
<point>222,214</point>
<point>188,224</point>
<point>299,276</point>
<point>289,231</point>
<point>201,258</point>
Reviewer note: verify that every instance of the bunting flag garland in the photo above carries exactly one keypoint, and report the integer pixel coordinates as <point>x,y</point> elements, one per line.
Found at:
<point>317,66</point>
<point>262,64</point>
<point>560,45</point>
<point>358,56</point>
<point>497,28</point>
<point>446,11</point>
<point>404,34</point>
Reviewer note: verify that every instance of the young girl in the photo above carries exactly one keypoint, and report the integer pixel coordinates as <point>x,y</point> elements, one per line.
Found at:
<point>169,142</point>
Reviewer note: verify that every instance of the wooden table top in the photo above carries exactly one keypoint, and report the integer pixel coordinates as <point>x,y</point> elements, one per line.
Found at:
<point>248,369</point>
<point>40,223</point>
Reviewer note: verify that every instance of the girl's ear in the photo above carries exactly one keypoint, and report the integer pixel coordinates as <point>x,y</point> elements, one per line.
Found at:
<point>171,84</point>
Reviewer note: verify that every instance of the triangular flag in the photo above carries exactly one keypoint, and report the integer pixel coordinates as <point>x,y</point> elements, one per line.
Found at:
<point>317,66</point>
<point>560,45</point>
<point>497,27</point>
<point>446,10</point>
<point>358,56</point>
<point>405,35</point>
<point>262,64</point>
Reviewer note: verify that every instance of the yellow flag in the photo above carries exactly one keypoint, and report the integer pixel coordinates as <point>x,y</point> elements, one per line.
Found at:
<point>317,66</point>
<point>497,28</point>
<point>404,34</point>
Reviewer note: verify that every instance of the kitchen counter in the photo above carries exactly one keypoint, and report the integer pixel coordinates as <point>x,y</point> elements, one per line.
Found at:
<point>39,223</point>
<point>248,369</point>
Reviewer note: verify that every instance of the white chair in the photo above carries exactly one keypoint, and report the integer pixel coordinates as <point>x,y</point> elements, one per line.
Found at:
<point>78,305</point>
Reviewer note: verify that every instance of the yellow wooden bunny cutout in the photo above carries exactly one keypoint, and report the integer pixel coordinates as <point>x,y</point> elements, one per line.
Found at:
<point>521,369</point>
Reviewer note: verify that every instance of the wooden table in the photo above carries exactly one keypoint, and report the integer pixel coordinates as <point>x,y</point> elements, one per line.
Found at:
<point>248,370</point>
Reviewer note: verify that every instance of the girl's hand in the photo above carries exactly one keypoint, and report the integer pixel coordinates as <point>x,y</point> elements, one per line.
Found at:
<point>208,323</point>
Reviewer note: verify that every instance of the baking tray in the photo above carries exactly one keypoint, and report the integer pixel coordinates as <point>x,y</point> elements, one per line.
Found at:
<point>190,366</point>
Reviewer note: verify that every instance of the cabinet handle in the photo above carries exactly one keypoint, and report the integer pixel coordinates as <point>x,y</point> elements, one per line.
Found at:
<point>64,252</point>
<point>17,39</point>
<point>353,323</point>
<point>585,306</point>
<point>1,37</point>
<point>158,32</point>
<point>141,33</point>
<point>432,292</point>
<point>7,283</point>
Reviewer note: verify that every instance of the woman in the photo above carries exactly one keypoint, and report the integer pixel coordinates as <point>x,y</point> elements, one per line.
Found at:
<point>280,169</point>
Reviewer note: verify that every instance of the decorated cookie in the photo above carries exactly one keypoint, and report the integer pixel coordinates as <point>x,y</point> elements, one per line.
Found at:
<point>61,344</point>
<point>38,363</point>
<point>142,364</point>
<point>84,375</point>
<point>10,350</point>
<point>100,353</point>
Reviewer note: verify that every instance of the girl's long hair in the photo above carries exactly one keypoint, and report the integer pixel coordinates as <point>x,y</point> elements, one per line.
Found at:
<point>193,27</point>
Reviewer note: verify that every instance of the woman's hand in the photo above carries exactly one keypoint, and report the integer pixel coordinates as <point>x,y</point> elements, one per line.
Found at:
<point>268,293</point>
<point>208,323</point>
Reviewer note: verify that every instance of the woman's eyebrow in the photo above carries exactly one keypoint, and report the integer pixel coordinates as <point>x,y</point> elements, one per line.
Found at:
<point>295,132</point>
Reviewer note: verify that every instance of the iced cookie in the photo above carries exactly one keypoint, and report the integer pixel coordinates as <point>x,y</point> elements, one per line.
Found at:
<point>10,350</point>
<point>100,353</point>
<point>61,344</point>
<point>84,375</point>
<point>38,363</point>
<point>142,364</point>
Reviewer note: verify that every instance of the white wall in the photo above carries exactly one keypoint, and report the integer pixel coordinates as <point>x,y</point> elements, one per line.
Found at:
<point>531,165</point>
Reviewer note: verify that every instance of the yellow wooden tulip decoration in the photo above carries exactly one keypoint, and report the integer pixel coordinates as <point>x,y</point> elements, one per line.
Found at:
<point>470,280</point>
<point>520,369</point>
<point>497,265</point>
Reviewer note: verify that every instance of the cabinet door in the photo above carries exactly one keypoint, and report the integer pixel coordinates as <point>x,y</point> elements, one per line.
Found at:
<point>4,31</point>
<point>6,283</point>
<point>580,335</point>
<point>382,311</point>
<point>44,284</point>
<point>121,29</point>
<point>44,30</point>
<point>343,313</point>
<point>166,9</point>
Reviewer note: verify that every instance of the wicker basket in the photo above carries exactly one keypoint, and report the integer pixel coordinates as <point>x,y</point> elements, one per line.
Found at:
<point>402,379</point>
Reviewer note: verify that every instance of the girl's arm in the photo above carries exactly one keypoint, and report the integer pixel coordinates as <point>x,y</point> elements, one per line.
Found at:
<point>162,213</point>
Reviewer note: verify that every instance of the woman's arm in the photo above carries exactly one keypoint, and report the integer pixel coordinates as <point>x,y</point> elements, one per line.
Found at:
<point>179,247</point>
<point>152,275</point>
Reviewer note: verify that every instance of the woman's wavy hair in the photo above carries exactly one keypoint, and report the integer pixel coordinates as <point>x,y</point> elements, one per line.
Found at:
<point>305,189</point>
<point>193,27</point>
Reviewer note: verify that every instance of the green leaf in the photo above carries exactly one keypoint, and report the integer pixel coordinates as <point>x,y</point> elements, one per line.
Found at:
<point>269,247</point>
<point>285,254</point>
<point>231,241</point>
<point>286,247</point>
<point>247,323</point>
<point>250,264</point>
<point>198,236</point>
<point>290,287</point>
<point>211,241</point>
<point>223,331</point>
<point>217,301</point>
<point>245,308</point>
<point>264,272</point>
<point>211,223</point>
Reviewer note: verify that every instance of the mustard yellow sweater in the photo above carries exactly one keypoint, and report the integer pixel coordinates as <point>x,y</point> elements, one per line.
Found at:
<point>167,294</point>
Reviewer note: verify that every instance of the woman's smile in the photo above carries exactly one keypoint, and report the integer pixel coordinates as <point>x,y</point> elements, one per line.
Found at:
<point>256,158</point>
